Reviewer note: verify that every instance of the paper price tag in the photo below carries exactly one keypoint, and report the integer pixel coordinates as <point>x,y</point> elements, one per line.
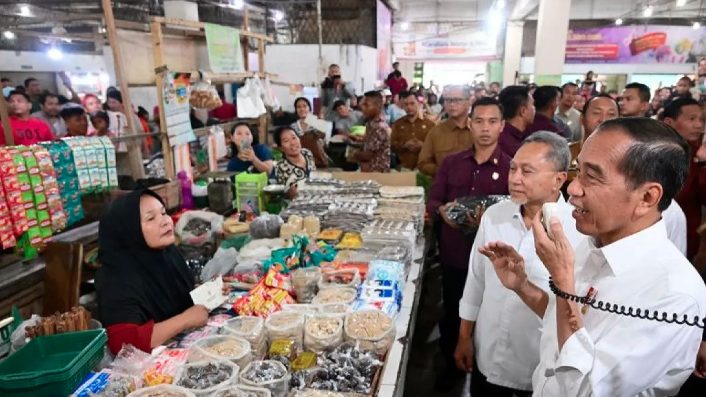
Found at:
<point>209,294</point>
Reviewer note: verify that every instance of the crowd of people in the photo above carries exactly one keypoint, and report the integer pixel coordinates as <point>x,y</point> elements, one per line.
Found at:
<point>637,192</point>
<point>37,114</point>
<point>623,168</point>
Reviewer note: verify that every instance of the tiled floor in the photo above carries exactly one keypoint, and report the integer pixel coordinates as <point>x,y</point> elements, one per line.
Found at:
<point>425,358</point>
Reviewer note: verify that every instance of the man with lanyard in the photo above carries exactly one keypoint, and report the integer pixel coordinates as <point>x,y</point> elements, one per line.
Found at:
<point>499,336</point>
<point>629,170</point>
<point>479,171</point>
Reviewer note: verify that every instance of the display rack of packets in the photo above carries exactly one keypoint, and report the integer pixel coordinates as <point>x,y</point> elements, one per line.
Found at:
<point>67,180</point>
<point>94,159</point>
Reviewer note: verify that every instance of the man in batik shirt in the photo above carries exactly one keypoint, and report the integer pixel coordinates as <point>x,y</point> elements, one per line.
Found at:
<point>375,156</point>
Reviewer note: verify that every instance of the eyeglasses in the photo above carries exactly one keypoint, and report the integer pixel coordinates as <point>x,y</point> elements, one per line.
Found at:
<point>454,100</point>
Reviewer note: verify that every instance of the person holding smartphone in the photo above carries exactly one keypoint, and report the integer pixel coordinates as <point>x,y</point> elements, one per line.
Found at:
<point>248,152</point>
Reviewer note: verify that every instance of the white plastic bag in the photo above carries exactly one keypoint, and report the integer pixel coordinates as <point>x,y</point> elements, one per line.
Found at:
<point>209,391</point>
<point>269,94</point>
<point>249,99</point>
<point>250,328</point>
<point>217,148</point>
<point>322,332</point>
<point>221,347</point>
<point>193,239</point>
<point>372,330</point>
<point>222,262</point>
<point>286,325</point>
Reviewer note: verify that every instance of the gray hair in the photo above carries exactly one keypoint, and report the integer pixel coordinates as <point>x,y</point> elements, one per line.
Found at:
<point>558,153</point>
<point>465,90</point>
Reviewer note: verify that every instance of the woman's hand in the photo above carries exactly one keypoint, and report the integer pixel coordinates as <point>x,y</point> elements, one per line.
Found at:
<point>195,316</point>
<point>247,155</point>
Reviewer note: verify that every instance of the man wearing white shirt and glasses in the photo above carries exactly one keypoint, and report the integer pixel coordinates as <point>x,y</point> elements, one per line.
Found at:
<point>495,325</point>
<point>629,171</point>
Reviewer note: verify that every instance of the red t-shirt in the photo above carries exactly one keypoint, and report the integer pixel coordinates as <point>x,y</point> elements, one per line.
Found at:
<point>397,86</point>
<point>226,111</point>
<point>27,132</point>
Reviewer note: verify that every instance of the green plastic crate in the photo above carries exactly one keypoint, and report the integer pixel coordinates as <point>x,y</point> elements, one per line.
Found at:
<point>51,366</point>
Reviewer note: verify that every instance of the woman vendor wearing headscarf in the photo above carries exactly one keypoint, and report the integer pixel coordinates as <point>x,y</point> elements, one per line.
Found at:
<point>143,285</point>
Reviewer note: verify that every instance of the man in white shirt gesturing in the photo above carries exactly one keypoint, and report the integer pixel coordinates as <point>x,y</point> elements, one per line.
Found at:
<point>629,171</point>
<point>501,330</point>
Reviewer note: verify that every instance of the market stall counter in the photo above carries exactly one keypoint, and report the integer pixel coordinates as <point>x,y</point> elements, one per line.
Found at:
<point>323,299</point>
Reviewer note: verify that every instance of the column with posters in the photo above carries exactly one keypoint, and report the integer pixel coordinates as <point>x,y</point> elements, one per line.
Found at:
<point>177,110</point>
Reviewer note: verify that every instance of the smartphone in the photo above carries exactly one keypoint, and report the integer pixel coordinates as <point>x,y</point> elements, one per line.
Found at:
<point>245,144</point>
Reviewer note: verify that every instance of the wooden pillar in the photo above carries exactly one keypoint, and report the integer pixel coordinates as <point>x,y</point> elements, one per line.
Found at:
<point>244,39</point>
<point>134,153</point>
<point>5,118</point>
<point>158,54</point>
<point>261,55</point>
<point>262,128</point>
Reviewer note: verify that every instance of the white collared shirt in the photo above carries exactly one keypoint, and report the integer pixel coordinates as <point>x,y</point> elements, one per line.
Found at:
<point>675,222</point>
<point>616,355</point>
<point>506,334</point>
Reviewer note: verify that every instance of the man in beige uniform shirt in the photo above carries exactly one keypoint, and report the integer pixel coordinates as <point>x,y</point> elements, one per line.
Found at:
<point>451,136</point>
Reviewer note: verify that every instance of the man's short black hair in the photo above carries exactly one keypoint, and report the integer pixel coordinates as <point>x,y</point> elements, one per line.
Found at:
<point>43,98</point>
<point>277,136</point>
<point>494,83</point>
<point>21,93</point>
<point>99,114</point>
<point>591,99</point>
<point>397,73</point>
<point>674,107</point>
<point>333,65</point>
<point>512,98</point>
<point>4,80</point>
<point>569,84</point>
<point>544,95</point>
<point>72,111</point>
<point>405,94</point>
<point>659,155</point>
<point>486,101</point>
<point>338,104</point>
<point>643,91</point>
<point>28,81</point>
<point>395,63</point>
<point>377,95</point>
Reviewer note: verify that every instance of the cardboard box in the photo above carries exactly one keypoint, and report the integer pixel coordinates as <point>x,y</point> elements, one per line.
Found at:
<point>386,179</point>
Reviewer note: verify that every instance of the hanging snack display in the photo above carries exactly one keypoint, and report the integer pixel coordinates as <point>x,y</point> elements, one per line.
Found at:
<point>13,198</point>
<point>67,180</point>
<point>51,189</point>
